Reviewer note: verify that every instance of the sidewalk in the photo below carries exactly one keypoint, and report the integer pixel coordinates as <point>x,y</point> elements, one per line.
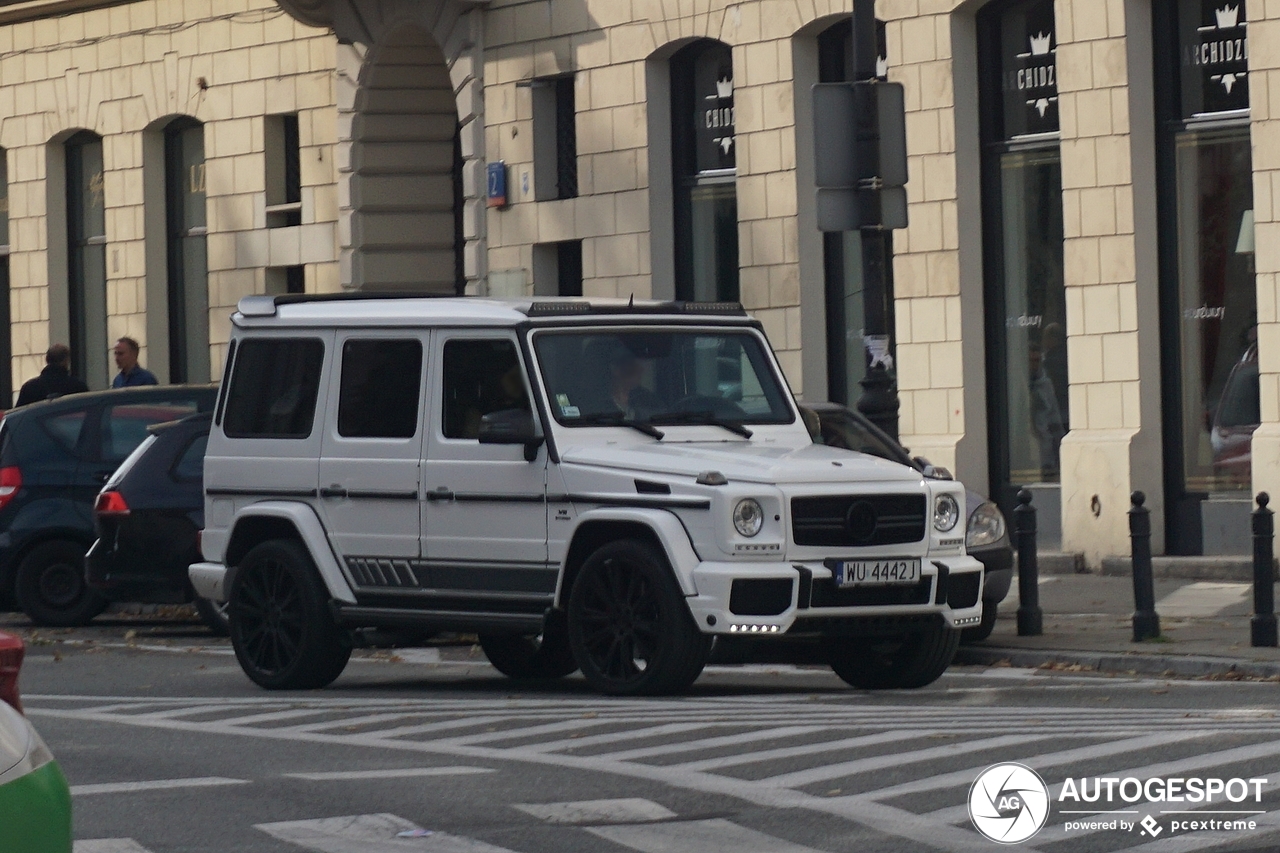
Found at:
<point>1087,624</point>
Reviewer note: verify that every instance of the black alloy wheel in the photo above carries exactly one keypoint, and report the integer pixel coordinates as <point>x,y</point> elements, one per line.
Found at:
<point>281,629</point>
<point>51,589</point>
<point>629,626</point>
<point>883,663</point>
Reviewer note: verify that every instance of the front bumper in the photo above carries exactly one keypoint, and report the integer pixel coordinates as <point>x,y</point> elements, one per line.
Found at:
<point>801,598</point>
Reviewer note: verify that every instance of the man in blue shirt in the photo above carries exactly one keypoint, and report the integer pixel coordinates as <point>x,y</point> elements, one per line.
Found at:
<point>131,373</point>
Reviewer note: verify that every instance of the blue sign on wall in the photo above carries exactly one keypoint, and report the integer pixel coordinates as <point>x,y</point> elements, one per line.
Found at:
<point>496,175</point>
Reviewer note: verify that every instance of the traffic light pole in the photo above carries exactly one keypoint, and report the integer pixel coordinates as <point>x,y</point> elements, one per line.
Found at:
<point>879,400</point>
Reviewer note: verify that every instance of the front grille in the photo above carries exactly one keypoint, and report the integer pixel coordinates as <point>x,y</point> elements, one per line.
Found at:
<point>858,520</point>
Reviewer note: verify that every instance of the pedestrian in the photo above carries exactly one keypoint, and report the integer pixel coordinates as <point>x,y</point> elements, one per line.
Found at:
<point>54,381</point>
<point>131,373</point>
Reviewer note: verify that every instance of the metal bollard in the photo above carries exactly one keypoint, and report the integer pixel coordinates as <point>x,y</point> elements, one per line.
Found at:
<point>1030,617</point>
<point>1262,628</point>
<point>1146,623</point>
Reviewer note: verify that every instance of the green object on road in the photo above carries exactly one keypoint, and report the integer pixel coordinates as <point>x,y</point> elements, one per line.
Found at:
<point>35,812</point>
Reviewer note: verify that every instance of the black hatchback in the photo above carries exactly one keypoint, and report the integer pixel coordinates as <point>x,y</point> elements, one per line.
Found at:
<point>148,518</point>
<point>54,458</point>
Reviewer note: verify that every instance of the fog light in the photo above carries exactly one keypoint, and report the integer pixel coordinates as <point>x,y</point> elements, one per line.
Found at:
<point>753,629</point>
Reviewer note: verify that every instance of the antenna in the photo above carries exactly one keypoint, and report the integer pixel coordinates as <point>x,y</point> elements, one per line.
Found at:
<point>631,303</point>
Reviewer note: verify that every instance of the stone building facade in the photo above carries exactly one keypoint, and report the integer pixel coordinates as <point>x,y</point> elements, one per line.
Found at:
<point>1084,300</point>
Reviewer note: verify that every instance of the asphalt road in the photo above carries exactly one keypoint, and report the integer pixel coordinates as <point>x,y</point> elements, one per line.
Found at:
<point>169,748</point>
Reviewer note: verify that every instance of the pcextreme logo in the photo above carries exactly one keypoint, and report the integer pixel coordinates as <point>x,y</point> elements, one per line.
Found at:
<point>1009,803</point>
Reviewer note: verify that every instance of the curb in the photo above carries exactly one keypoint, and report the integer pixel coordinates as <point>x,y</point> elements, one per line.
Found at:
<point>1183,666</point>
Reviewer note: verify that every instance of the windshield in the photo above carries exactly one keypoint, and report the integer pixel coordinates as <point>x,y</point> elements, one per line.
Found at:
<point>660,376</point>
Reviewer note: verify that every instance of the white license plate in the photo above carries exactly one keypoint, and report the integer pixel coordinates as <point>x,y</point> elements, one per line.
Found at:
<point>877,572</point>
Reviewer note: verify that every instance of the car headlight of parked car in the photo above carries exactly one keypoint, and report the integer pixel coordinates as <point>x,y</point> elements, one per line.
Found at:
<point>986,526</point>
<point>946,512</point>
<point>748,517</point>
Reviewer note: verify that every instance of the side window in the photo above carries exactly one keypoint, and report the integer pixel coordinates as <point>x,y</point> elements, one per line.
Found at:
<point>124,426</point>
<point>480,376</point>
<point>274,383</point>
<point>65,429</point>
<point>379,394</point>
<point>190,465</point>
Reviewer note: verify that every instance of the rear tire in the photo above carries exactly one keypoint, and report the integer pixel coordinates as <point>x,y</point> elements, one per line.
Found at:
<point>283,634</point>
<point>51,589</point>
<point>213,615</point>
<point>884,663</point>
<point>983,629</point>
<point>541,657</point>
<point>629,626</point>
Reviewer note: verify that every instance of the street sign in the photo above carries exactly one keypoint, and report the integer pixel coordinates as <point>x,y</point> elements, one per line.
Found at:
<point>860,155</point>
<point>496,180</point>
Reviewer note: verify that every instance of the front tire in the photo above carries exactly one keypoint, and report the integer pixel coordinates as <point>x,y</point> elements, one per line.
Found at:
<point>544,657</point>
<point>884,663</point>
<point>283,634</point>
<point>51,589</point>
<point>629,626</point>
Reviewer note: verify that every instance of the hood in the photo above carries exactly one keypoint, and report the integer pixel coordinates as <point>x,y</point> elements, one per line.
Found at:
<point>745,462</point>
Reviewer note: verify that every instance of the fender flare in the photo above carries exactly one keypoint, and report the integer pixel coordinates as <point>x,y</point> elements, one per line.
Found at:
<point>666,526</point>
<point>304,519</point>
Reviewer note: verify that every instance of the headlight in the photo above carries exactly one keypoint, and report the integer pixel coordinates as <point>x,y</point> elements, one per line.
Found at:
<point>946,513</point>
<point>748,518</point>
<point>986,526</point>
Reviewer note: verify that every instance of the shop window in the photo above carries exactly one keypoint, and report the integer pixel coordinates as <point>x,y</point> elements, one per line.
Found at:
<point>283,170</point>
<point>555,139</point>
<point>704,159</point>
<point>1208,295</point>
<point>188,272</point>
<point>842,252</point>
<point>86,258</point>
<point>1027,381</point>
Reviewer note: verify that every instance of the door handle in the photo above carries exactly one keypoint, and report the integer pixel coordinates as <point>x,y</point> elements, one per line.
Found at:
<point>334,491</point>
<point>442,493</point>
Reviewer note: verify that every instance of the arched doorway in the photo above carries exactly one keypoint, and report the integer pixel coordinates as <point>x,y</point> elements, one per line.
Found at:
<point>406,187</point>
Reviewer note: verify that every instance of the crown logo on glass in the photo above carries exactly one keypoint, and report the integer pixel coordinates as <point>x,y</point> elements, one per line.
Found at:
<point>724,88</point>
<point>1040,43</point>
<point>1228,17</point>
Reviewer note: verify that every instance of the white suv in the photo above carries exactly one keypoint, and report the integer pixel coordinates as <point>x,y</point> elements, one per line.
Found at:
<point>585,485</point>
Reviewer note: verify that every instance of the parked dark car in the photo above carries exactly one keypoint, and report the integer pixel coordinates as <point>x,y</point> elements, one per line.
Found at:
<point>54,458</point>
<point>987,535</point>
<point>148,519</point>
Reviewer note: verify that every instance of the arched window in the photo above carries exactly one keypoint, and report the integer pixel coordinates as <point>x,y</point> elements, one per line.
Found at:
<point>704,160</point>
<point>187,264</point>
<point>86,259</point>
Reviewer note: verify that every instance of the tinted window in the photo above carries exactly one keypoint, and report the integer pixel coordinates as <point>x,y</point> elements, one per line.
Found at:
<point>480,376</point>
<point>64,428</point>
<point>124,426</point>
<point>380,382</point>
<point>273,391</point>
<point>190,465</point>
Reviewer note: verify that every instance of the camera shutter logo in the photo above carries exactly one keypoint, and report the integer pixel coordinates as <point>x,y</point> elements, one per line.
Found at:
<point>1009,803</point>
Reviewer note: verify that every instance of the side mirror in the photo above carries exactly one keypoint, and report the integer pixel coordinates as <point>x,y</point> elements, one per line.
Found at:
<point>511,426</point>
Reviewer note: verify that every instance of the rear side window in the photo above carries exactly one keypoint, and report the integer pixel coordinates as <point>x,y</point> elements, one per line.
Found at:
<point>190,465</point>
<point>124,426</point>
<point>379,395</point>
<point>274,383</point>
<point>65,428</point>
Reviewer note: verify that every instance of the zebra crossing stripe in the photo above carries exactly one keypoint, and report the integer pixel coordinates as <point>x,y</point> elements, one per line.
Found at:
<point>735,739</point>
<point>154,785</point>
<point>389,773</point>
<point>370,833</point>
<point>697,836</point>
<point>626,734</point>
<point>894,736</point>
<point>108,845</point>
<point>629,810</point>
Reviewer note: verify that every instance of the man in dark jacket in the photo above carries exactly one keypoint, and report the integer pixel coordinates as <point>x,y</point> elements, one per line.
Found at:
<point>54,381</point>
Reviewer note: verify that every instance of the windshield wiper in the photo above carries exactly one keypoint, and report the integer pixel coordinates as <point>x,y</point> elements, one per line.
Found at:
<point>708,418</point>
<point>619,419</point>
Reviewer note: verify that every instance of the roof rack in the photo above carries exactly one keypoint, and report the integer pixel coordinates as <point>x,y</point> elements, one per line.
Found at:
<point>265,306</point>
<point>563,307</point>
